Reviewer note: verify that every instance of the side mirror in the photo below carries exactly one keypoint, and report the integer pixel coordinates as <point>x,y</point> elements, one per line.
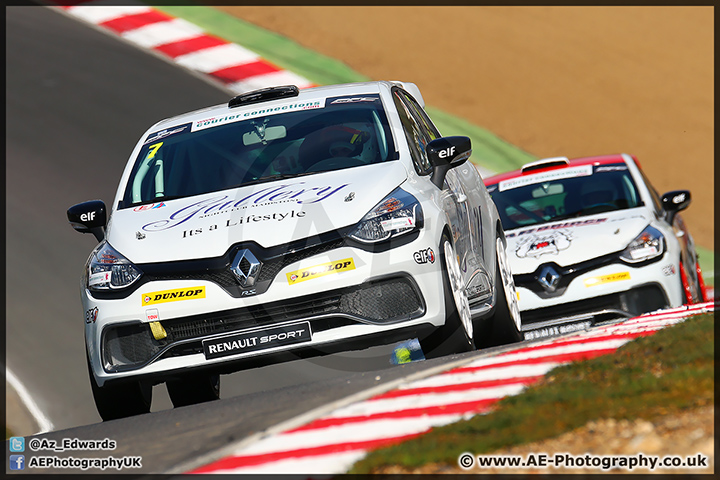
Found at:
<point>446,153</point>
<point>89,217</point>
<point>675,201</point>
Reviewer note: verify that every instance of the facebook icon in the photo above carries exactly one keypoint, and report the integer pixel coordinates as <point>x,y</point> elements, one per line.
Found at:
<point>17,462</point>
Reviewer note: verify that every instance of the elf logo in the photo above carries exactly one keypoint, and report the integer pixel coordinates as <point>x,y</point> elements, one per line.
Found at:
<point>447,152</point>
<point>424,256</point>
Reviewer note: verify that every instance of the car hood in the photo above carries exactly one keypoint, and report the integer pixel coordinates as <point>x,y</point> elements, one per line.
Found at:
<point>270,214</point>
<point>574,240</point>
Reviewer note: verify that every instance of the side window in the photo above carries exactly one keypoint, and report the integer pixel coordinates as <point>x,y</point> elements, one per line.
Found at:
<point>414,133</point>
<point>657,202</point>
<point>425,122</point>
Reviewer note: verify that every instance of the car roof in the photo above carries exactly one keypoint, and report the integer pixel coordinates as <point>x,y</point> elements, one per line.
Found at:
<point>596,160</point>
<point>305,94</point>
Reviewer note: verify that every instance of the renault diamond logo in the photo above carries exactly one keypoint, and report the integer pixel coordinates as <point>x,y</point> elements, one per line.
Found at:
<point>245,267</point>
<point>549,278</point>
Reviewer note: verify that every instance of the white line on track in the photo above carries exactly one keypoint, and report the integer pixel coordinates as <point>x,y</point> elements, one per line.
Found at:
<point>43,422</point>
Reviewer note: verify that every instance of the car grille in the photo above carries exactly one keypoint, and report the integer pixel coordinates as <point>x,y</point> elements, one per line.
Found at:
<point>389,300</point>
<point>637,301</point>
<point>219,273</point>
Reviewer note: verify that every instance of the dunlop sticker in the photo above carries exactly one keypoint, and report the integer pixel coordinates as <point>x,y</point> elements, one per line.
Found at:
<point>320,270</point>
<point>613,277</point>
<point>165,296</point>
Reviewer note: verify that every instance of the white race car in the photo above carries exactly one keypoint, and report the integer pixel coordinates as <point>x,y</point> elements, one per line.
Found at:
<point>590,239</point>
<point>285,224</point>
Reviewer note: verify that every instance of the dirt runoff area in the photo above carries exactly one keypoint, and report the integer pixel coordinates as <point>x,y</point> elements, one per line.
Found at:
<point>570,81</point>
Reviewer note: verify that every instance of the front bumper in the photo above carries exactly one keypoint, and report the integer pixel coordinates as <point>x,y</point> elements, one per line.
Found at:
<point>386,295</point>
<point>609,291</point>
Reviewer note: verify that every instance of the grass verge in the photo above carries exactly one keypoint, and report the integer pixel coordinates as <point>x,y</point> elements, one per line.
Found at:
<point>665,373</point>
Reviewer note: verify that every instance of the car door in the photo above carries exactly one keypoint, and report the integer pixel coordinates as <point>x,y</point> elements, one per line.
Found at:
<point>460,205</point>
<point>688,255</point>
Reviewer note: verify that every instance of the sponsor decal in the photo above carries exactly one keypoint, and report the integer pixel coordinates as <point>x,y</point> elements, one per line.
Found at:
<point>424,256</point>
<point>98,278</point>
<point>611,168</point>
<point>679,198</point>
<point>151,206</point>
<point>165,133</point>
<point>152,315</point>
<point>91,315</point>
<point>88,217</point>
<point>237,117</point>
<point>350,197</point>
<point>165,296</point>
<point>353,100</point>
<point>579,223</point>
<point>243,221</point>
<point>643,252</point>
<point>140,235</point>
<point>397,223</point>
<point>668,270</point>
<point>257,340</point>
<point>297,193</point>
<point>320,270</point>
<point>582,171</point>
<point>613,277</point>
<point>446,152</point>
<point>548,243</point>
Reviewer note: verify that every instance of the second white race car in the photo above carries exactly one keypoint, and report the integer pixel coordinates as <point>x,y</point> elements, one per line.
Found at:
<point>591,239</point>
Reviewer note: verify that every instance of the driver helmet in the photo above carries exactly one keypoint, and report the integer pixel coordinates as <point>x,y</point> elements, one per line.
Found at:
<point>344,141</point>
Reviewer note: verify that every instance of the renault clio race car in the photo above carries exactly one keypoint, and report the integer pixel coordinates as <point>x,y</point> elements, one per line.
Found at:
<point>590,239</point>
<point>286,224</point>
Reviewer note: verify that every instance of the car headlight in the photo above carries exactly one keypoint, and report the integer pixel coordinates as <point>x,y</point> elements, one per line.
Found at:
<point>649,244</point>
<point>107,269</point>
<point>397,214</point>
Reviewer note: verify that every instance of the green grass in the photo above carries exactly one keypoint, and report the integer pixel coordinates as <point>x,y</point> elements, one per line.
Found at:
<point>707,263</point>
<point>664,373</point>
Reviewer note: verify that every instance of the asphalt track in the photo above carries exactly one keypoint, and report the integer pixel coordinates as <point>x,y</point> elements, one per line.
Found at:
<point>77,100</point>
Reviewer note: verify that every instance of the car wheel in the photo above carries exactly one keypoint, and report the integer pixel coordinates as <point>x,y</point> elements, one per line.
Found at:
<point>122,400</point>
<point>194,388</point>
<point>504,326</point>
<point>456,336</point>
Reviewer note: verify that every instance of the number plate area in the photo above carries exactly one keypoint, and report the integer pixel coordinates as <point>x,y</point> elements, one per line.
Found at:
<point>257,340</point>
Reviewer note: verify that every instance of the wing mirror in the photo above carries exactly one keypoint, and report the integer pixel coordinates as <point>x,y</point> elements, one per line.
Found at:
<point>445,153</point>
<point>89,217</point>
<point>674,202</point>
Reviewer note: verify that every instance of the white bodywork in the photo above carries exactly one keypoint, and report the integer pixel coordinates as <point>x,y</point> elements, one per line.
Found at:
<point>276,213</point>
<point>580,240</point>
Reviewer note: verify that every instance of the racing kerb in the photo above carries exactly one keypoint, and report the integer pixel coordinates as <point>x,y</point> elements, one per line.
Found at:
<point>331,441</point>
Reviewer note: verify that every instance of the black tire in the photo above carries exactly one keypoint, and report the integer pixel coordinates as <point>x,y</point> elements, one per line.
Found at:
<point>194,388</point>
<point>451,338</point>
<point>121,400</point>
<point>500,328</point>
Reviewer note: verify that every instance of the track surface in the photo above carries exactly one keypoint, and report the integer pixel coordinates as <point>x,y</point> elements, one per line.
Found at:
<point>78,100</point>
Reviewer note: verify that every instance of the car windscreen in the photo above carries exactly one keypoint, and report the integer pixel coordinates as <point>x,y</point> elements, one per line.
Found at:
<point>564,193</point>
<point>260,145</point>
